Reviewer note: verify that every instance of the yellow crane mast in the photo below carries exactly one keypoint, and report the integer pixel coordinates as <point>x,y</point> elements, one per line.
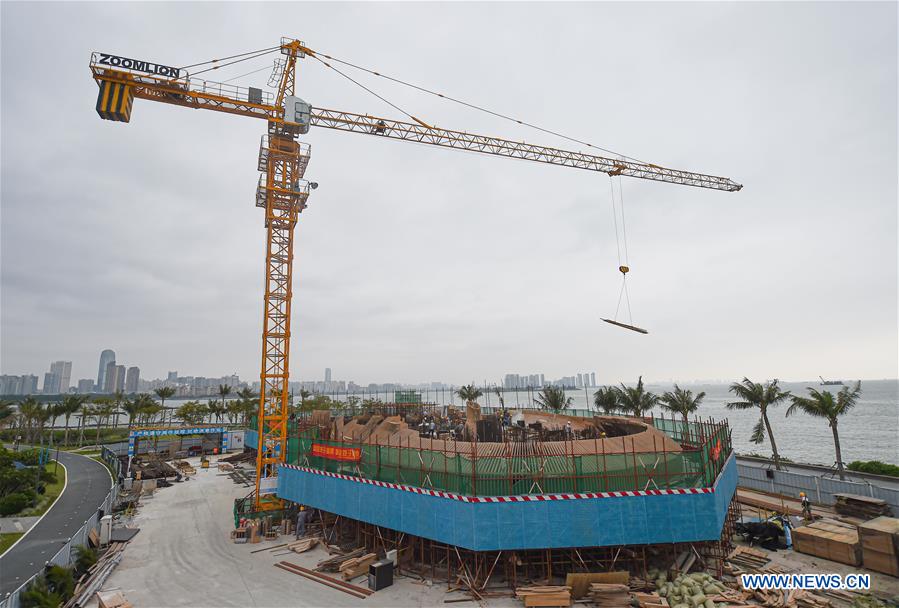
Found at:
<point>283,192</point>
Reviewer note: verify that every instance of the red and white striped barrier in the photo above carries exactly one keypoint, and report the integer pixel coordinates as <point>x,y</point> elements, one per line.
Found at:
<point>496,499</point>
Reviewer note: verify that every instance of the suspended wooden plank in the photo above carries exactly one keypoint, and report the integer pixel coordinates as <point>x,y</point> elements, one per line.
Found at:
<point>626,326</point>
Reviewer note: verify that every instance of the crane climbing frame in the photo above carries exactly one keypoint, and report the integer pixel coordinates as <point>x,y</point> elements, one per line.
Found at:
<point>283,192</point>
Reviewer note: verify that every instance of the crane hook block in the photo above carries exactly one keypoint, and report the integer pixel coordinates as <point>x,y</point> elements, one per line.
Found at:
<point>624,269</point>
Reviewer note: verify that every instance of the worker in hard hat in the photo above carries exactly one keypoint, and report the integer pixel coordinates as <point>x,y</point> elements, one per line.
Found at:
<point>806,506</point>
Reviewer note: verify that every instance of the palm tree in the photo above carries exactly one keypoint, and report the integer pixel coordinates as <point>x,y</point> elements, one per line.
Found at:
<point>215,408</point>
<point>118,398</point>
<point>823,405</point>
<point>553,398</point>
<point>762,396</point>
<point>224,391</point>
<point>469,393</point>
<point>32,416</point>
<point>103,410</point>
<point>636,400</point>
<point>682,402</point>
<point>164,393</point>
<point>132,407</point>
<point>86,412</point>
<point>606,399</point>
<point>71,404</point>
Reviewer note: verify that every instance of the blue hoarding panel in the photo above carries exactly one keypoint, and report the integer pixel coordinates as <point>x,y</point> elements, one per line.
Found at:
<point>486,526</point>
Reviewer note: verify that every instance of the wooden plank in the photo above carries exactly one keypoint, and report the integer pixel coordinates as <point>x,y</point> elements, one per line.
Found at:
<point>325,577</point>
<point>580,581</point>
<point>318,580</point>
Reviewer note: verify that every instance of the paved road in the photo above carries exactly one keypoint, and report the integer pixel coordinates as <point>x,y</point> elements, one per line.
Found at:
<point>87,486</point>
<point>818,470</point>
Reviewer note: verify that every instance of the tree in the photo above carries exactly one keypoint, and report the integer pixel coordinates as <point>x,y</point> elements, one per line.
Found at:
<point>71,404</point>
<point>761,396</point>
<point>553,398</point>
<point>133,407</point>
<point>606,399</point>
<point>7,413</point>
<point>118,398</point>
<point>33,415</point>
<point>215,408</point>
<point>224,391</point>
<point>102,411</point>
<point>823,405</point>
<point>192,412</point>
<point>164,393</point>
<point>469,393</point>
<point>682,402</point>
<point>499,395</point>
<point>636,401</point>
<point>85,412</point>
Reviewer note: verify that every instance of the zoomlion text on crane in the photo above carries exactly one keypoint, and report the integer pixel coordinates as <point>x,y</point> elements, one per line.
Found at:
<point>139,65</point>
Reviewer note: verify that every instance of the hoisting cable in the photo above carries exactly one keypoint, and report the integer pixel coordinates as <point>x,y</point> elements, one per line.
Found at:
<point>476,107</point>
<point>265,67</point>
<point>216,67</point>
<point>193,65</point>
<point>623,264</point>
<point>359,84</point>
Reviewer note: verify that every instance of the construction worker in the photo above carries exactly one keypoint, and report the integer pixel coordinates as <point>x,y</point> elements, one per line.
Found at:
<point>806,506</point>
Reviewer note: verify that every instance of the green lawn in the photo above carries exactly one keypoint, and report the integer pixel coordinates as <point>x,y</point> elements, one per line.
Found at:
<point>53,490</point>
<point>7,539</point>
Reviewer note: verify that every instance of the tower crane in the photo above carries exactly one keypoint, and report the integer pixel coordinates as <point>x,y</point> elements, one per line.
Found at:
<point>283,192</point>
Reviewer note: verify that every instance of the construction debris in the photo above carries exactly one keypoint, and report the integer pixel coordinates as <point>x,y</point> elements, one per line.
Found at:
<point>544,596</point>
<point>350,589</point>
<point>303,545</point>
<point>357,566</point>
<point>748,558</point>
<point>579,582</point>
<point>332,564</point>
<point>865,507</point>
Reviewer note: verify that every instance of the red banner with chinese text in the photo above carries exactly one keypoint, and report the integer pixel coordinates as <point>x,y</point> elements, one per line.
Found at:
<point>333,452</point>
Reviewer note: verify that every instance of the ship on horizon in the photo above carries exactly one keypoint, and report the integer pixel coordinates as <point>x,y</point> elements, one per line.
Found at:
<point>830,382</point>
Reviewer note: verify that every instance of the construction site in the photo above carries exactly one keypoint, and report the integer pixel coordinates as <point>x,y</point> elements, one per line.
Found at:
<point>417,504</point>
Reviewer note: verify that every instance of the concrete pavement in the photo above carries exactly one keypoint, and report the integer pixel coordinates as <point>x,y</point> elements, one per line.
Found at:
<point>87,484</point>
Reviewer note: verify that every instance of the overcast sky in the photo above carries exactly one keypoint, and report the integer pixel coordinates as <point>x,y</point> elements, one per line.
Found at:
<point>416,263</point>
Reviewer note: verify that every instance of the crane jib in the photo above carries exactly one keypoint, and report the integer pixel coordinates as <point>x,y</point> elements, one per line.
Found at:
<point>139,65</point>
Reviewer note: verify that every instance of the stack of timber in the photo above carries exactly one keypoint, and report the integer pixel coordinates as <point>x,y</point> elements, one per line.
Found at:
<point>302,545</point>
<point>239,457</point>
<point>609,595</point>
<point>865,507</point>
<point>650,600</point>
<point>185,468</point>
<point>332,564</point>
<point>579,582</point>
<point>357,566</point>
<point>323,579</point>
<point>748,558</point>
<point>829,539</point>
<point>880,545</point>
<point>544,596</point>
<point>96,575</point>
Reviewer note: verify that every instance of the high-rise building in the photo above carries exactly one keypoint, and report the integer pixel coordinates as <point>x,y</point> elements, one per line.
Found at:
<point>29,384</point>
<point>85,386</point>
<point>106,357</point>
<point>592,378</point>
<point>172,377</point>
<point>132,379</point>
<point>119,379</point>
<point>109,379</point>
<point>580,381</point>
<point>51,384</point>
<point>63,371</point>
<point>327,374</point>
